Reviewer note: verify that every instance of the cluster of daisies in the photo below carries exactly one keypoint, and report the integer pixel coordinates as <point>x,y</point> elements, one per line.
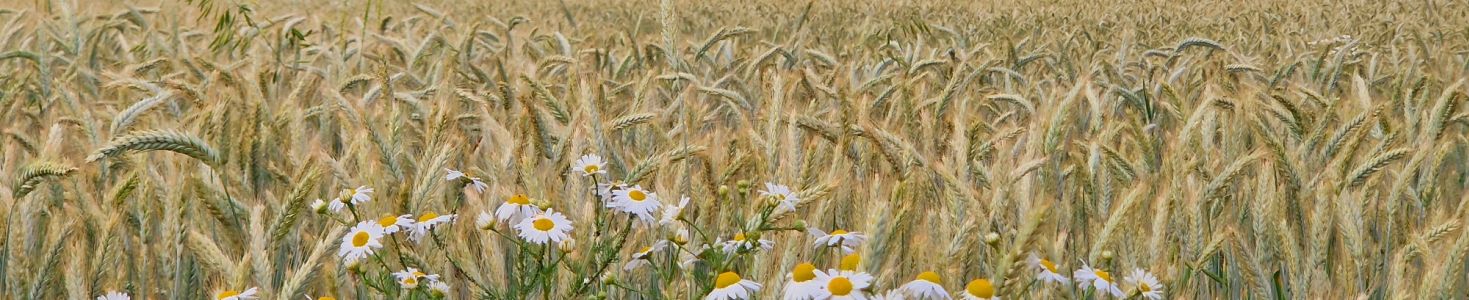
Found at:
<point>807,282</point>
<point>535,223</point>
<point>366,237</point>
<point>1141,282</point>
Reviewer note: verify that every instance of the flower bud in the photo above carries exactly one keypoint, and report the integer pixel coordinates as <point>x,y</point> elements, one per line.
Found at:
<point>484,221</point>
<point>723,190</point>
<point>567,246</point>
<point>319,206</point>
<point>992,239</point>
<point>800,225</point>
<point>679,237</point>
<point>744,186</point>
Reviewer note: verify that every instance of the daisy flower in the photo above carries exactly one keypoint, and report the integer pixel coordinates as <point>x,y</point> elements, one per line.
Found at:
<point>114,296</point>
<point>361,241</point>
<point>637,201</point>
<point>438,288</point>
<point>729,286</point>
<point>926,286</point>
<point>1047,269</point>
<point>484,221</point>
<point>319,206</point>
<point>1146,284</point>
<point>980,289</point>
<point>425,223</point>
<point>478,184</point>
<point>848,241</point>
<point>550,226</point>
<point>604,190</point>
<point>788,199</point>
<point>589,164</point>
<point>392,224</point>
<point>641,257</point>
<point>359,195</point>
<point>515,208</point>
<point>452,174</point>
<point>739,243</point>
<point>672,212</point>
<point>410,278</point>
<point>1099,279</point>
<point>842,285</point>
<point>237,295</point>
<point>803,284</point>
<point>850,262</point>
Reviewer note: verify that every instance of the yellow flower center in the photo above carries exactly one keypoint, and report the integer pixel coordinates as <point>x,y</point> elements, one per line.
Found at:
<point>1143,286</point>
<point>980,288</point>
<point>410,281</point>
<point>359,239</point>
<point>726,279</point>
<point>1050,266</point>
<point>839,286</point>
<point>543,224</point>
<point>929,276</point>
<point>645,250</point>
<point>739,237</point>
<point>326,298</point>
<point>850,262</point>
<point>386,221</point>
<point>838,232</point>
<point>345,195</point>
<point>427,216</point>
<point>637,195</point>
<point>227,294</point>
<point>419,274</point>
<point>1103,275</point>
<point>590,169</point>
<point>804,272</point>
<point>519,199</point>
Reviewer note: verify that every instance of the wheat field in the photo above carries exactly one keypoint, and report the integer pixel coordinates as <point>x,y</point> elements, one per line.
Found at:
<point>947,149</point>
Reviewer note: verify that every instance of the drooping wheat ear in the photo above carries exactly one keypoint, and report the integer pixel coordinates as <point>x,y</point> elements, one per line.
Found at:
<point>1024,236</point>
<point>127,116</point>
<point>286,220</point>
<point>629,121</point>
<point>355,82</point>
<point>646,166</point>
<point>1444,108</point>
<point>1348,130</point>
<point>1361,173</point>
<point>1016,99</point>
<point>207,252</point>
<point>557,110</point>
<point>32,175</point>
<point>308,268</point>
<point>26,143</point>
<point>1228,175</point>
<point>1197,42</point>
<point>167,139</point>
<point>1115,222</point>
<point>1448,275</point>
